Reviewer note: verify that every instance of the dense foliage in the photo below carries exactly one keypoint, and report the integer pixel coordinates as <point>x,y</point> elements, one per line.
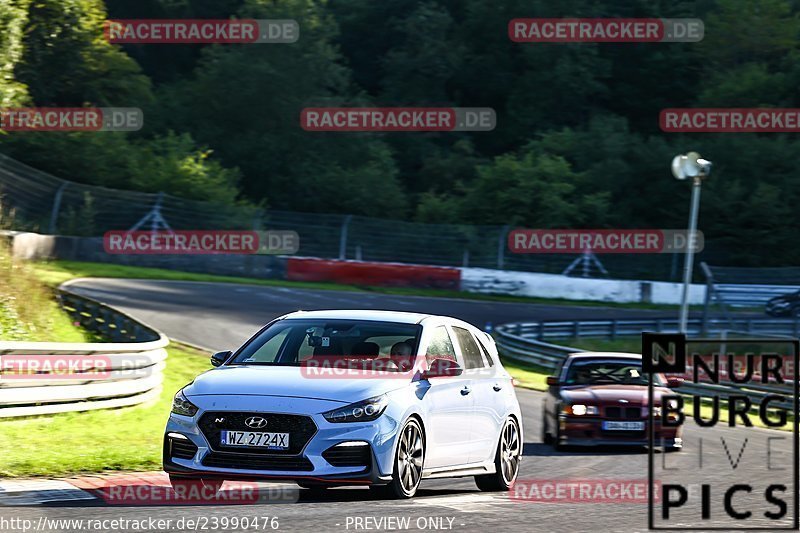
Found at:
<point>577,142</point>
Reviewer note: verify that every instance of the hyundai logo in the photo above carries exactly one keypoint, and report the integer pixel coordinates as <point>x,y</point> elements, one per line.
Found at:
<point>256,422</point>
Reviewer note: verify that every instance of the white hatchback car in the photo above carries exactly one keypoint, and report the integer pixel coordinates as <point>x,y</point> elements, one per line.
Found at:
<point>328,398</point>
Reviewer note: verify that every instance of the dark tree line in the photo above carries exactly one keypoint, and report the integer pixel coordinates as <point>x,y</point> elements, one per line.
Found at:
<point>577,142</point>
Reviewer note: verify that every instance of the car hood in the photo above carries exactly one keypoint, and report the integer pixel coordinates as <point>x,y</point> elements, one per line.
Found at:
<point>292,381</point>
<point>634,395</point>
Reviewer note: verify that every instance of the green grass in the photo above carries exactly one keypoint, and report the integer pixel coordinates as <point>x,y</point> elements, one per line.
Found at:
<point>57,272</point>
<point>527,376</point>
<point>122,439</point>
<point>28,311</point>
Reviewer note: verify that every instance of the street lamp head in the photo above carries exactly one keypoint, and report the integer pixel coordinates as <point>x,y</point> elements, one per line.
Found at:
<point>690,165</point>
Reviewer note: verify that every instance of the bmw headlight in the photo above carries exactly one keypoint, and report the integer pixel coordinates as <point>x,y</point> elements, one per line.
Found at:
<point>579,409</point>
<point>657,410</point>
<point>362,411</point>
<point>182,406</point>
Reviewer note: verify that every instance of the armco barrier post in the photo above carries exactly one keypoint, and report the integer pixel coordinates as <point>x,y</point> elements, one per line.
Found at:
<point>343,237</point>
<point>501,247</point>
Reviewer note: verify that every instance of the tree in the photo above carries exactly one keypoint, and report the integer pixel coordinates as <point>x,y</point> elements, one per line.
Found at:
<point>13,17</point>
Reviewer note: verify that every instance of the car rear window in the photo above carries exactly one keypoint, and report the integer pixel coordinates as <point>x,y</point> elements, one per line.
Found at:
<point>469,348</point>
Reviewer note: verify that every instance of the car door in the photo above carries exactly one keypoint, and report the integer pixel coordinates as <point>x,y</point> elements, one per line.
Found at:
<point>448,425</point>
<point>488,399</point>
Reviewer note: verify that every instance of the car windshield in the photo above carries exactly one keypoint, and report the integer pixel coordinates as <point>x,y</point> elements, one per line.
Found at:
<point>372,345</point>
<point>608,371</point>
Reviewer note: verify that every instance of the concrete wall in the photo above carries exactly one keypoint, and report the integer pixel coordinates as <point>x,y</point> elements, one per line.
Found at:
<point>556,286</point>
<point>35,246</point>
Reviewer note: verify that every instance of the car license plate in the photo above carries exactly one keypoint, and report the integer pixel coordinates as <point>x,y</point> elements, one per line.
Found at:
<point>256,439</point>
<point>610,425</point>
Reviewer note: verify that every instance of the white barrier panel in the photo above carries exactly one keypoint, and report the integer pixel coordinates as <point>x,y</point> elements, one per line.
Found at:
<point>131,372</point>
<point>538,285</point>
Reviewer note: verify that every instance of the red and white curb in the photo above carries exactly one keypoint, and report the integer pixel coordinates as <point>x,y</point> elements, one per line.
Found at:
<point>37,492</point>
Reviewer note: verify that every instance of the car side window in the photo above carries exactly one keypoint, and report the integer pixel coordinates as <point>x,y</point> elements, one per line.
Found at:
<point>469,349</point>
<point>486,354</point>
<point>440,346</point>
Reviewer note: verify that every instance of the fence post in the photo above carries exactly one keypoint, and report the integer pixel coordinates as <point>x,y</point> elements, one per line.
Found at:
<point>709,292</point>
<point>613,330</point>
<point>465,259</point>
<point>343,237</point>
<point>576,332</point>
<point>56,207</point>
<point>501,247</point>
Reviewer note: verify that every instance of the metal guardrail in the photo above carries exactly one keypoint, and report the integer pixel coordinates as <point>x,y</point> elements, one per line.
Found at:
<point>612,329</point>
<point>522,342</point>
<point>137,359</point>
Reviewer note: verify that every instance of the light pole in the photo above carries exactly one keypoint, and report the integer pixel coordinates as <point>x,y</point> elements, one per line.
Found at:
<point>692,166</point>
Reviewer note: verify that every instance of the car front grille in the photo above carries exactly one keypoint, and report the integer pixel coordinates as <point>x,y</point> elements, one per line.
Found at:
<point>257,462</point>
<point>624,413</point>
<point>344,455</point>
<point>299,427</point>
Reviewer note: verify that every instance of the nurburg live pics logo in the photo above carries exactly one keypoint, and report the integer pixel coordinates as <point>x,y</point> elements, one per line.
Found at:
<point>745,478</point>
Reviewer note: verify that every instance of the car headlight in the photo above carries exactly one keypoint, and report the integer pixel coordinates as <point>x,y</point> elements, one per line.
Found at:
<point>362,411</point>
<point>580,410</point>
<point>657,410</point>
<point>182,406</point>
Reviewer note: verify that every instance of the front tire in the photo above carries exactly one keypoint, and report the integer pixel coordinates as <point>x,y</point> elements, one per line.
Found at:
<point>506,461</point>
<point>408,464</point>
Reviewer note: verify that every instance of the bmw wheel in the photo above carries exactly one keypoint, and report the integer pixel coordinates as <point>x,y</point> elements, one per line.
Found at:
<point>506,461</point>
<point>408,464</point>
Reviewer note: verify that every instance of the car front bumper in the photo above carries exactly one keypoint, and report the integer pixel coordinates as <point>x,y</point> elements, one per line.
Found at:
<point>589,432</point>
<point>308,465</point>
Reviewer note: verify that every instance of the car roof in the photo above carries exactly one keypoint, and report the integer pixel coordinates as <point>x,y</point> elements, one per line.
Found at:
<point>362,314</point>
<point>605,355</point>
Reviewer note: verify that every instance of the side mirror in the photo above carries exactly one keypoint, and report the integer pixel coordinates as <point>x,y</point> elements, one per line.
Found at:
<point>674,382</point>
<point>552,381</point>
<point>220,357</point>
<point>440,368</point>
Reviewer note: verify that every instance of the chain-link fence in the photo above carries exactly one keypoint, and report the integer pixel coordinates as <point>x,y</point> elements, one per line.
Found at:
<point>36,201</point>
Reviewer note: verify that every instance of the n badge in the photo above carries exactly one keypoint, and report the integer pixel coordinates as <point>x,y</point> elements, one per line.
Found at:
<point>664,353</point>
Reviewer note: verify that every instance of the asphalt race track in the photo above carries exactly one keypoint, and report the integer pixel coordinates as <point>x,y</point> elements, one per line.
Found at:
<point>220,316</point>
